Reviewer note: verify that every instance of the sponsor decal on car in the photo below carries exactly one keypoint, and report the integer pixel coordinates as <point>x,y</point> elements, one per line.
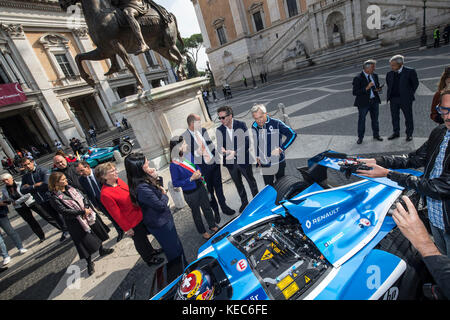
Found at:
<point>321,218</point>
<point>241,265</point>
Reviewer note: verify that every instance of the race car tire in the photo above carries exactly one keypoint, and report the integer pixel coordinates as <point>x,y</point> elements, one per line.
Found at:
<point>289,186</point>
<point>125,148</point>
<point>411,282</point>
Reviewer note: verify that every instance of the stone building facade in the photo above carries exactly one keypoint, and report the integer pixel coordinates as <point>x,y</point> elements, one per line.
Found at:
<point>38,45</point>
<point>253,36</point>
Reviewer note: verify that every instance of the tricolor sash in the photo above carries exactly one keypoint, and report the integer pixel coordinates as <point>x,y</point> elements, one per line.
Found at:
<point>189,166</point>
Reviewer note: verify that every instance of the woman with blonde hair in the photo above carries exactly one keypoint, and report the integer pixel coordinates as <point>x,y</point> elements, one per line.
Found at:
<point>86,228</point>
<point>444,83</point>
<point>115,197</point>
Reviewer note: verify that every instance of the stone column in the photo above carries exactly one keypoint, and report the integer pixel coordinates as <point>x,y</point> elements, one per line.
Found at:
<point>5,145</point>
<point>357,19</point>
<point>274,10</point>
<point>240,22</point>
<point>313,31</point>
<point>84,43</point>
<point>201,22</point>
<point>102,108</point>
<point>46,124</point>
<point>348,23</point>
<point>141,72</point>
<point>32,127</point>
<point>74,119</point>
<point>322,34</point>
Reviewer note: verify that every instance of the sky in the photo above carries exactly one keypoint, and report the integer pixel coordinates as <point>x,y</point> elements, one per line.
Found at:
<point>187,22</point>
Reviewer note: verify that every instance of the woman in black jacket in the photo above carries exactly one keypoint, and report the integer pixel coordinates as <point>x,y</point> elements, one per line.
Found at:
<point>86,228</point>
<point>147,191</point>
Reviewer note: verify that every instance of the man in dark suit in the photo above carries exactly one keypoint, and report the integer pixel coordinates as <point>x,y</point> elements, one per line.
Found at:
<point>233,144</point>
<point>402,83</point>
<point>366,87</point>
<point>204,153</point>
<point>93,188</point>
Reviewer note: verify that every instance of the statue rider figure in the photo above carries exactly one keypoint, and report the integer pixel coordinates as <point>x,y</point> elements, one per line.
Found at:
<point>136,8</point>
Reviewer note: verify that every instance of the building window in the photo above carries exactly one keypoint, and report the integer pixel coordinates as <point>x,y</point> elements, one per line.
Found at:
<point>259,25</point>
<point>65,65</point>
<point>57,49</point>
<point>150,60</point>
<point>292,8</point>
<point>221,35</point>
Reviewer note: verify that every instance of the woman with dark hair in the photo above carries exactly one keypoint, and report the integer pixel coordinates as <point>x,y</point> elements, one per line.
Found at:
<point>86,228</point>
<point>147,191</point>
<point>115,197</point>
<point>444,83</point>
<point>186,175</point>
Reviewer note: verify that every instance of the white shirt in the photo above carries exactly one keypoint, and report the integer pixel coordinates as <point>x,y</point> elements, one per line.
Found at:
<point>203,141</point>
<point>373,81</point>
<point>230,131</point>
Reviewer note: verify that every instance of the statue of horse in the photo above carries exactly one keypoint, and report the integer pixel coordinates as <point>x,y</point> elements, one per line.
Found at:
<point>109,31</point>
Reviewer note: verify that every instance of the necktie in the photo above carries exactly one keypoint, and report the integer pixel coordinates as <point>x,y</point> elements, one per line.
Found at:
<point>94,185</point>
<point>372,93</point>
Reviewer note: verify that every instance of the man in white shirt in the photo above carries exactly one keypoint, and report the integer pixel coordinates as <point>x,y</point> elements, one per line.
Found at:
<point>204,153</point>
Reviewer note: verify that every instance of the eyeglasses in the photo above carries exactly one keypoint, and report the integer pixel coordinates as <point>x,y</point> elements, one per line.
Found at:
<point>221,118</point>
<point>443,110</point>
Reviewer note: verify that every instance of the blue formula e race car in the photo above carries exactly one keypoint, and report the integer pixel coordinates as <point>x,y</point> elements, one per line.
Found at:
<point>95,156</point>
<point>307,239</point>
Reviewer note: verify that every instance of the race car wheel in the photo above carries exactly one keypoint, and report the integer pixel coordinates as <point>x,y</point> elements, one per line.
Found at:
<point>289,186</point>
<point>125,148</point>
<point>410,284</point>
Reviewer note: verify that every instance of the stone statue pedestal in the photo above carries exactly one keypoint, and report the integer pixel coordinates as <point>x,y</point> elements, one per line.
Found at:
<point>158,115</point>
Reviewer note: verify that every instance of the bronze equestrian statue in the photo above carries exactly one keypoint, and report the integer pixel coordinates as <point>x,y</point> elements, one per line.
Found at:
<point>127,26</point>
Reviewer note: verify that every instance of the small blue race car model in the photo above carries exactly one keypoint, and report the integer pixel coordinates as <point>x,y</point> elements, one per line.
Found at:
<point>307,239</point>
<point>95,156</point>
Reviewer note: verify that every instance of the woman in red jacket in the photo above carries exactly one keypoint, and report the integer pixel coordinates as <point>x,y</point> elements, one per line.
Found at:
<point>115,196</point>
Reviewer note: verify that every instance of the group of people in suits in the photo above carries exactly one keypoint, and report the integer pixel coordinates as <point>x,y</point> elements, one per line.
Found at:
<point>402,83</point>
<point>196,162</point>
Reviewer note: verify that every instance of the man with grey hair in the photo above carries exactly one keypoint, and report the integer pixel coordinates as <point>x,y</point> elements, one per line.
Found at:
<point>402,83</point>
<point>366,88</point>
<point>268,135</point>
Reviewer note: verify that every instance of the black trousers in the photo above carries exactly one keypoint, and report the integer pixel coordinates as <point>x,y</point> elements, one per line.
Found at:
<point>213,179</point>
<point>269,179</point>
<point>27,215</point>
<point>196,200</point>
<point>436,42</point>
<point>373,109</point>
<point>142,244</point>
<point>406,108</point>
<point>46,211</point>
<point>236,172</point>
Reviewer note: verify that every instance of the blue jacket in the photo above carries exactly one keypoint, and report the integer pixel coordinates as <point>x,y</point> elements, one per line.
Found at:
<point>181,177</point>
<point>40,194</point>
<point>272,131</point>
<point>154,204</point>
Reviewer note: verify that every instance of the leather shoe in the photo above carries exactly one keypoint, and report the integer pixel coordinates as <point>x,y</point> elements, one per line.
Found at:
<point>393,136</point>
<point>245,204</point>
<point>155,260</point>
<point>158,251</point>
<point>378,138</point>
<point>90,268</point>
<point>105,252</point>
<point>120,236</point>
<point>360,140</point>
<point>409,138</point>
<point>227,210</point>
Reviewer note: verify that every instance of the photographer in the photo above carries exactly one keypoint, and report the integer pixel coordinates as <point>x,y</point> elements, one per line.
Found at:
<point>434,184</point>
<point>413,229</point>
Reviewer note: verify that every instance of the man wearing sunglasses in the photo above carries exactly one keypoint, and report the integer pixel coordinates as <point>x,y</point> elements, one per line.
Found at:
<point>233,144</point>
<point>434,184</point>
